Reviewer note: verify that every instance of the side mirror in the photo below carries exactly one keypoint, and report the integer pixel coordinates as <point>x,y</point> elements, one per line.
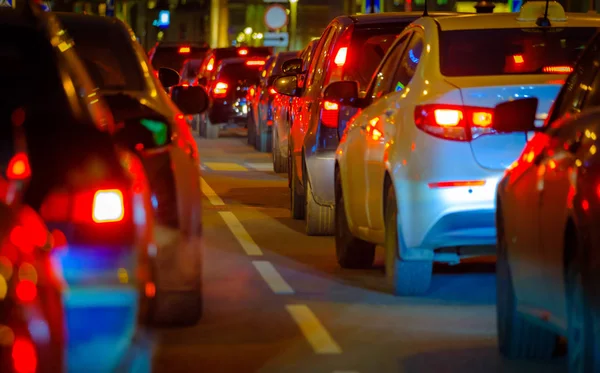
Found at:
<point>515,116</point>
<point>190,100</point>
<point>168,77</point>
<point>271,80</point>
<point>286,85</point>
<point>343,92</point>
<point>292,66</point>
<point>203,81</point>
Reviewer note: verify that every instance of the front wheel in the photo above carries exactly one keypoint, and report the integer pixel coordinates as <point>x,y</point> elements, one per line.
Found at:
<point>406,277</point>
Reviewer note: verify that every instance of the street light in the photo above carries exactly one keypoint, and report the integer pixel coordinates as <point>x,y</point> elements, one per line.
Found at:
<point>293,22</point>
<point>248,31</point>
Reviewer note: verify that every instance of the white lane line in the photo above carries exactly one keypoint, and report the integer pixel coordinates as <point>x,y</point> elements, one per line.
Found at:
<point>212,196</point>
<point>261,166</point>
<point>272,277</point>
<point>314,332</point>
<point>241,234</point>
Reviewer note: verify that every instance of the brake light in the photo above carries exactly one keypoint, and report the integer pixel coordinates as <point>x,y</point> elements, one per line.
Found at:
<point>184,50</point>
<point>272,91</point>
<point>340,57</point>
<point>557,69</point>
<point>108,206</point>
<point>24,356</point>
<point>18,167</point>
<point>185,85</point>
<point>220,90</point>
<point>330,112</point>
<point>243,52</point>
<point>255,63</point>
<point>459,123</point>
<point>452,184</point>
<point>26,291</point>
<point>211,64</point>
<point>518,58</point>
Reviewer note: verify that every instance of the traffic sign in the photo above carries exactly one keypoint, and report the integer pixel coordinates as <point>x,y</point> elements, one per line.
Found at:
<point>6,3</point>
<point>373,6</point>
<point>276,39</point>
<point>276,17</point>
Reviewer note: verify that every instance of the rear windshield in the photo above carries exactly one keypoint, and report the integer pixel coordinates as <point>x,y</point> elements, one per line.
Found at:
<point>174,56</point>
<point>281,58</point>
<point>193,67</point>
<point>108,55</point>
<point>240,71</point>
<point>221,54</point>
<point>514,51</point>
<point>367,48</point>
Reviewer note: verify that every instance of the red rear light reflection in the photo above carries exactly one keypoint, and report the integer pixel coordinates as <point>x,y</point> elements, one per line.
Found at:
<point>330,114</point>
<point>243,51</point>
<point>24,356</point>
<point>26,291</point>
<point>452,184</point>
<point>255,63</point>
<point>184,50</point>
<point>558,69</point>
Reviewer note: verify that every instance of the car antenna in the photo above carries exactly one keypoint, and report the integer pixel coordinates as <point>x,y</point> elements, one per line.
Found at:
<point>544,21</point>
<point>425,13</point>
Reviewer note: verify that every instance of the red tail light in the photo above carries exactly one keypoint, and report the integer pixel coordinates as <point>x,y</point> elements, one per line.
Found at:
<point>243,52</point>
<point>459,123</point>
<point>26,291</point>
<point>340,57</point>
<point>24,356</point>
<point>156,73</point>
<point>255,63</point>
<point>330,113</point>
<point>220,90</point>
<point>18,167</point>
<point>184,50</point>
<point>452,184</point>
<point>211,64</point>
<point>272,91</point>
<point>108,206</point>
<point>557,69</point>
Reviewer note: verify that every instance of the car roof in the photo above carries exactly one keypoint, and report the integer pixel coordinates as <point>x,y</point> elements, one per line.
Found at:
<point>391,17</point>
<point>88,20</point>
<point>509,20</point>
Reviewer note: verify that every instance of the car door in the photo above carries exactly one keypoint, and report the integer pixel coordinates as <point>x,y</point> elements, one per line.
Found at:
<point>558,164</point>
<point>383,129</point>
<point>360,132</point>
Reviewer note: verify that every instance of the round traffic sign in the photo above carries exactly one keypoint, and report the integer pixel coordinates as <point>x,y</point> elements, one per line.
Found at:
<point>276,17</point>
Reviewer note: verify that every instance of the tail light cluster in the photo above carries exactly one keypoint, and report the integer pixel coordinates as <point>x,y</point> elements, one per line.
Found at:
<point>220,89</point>
<point>86,207</point>
<point>330,114</point>
<point>336,69</point>
<point>451,122</point>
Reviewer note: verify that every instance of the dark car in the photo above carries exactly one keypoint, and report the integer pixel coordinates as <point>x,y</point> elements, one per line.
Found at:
<point>351,48</point>
<point>260,123</point>
<point>189,71</point>
<point>172,55</point>
<point>169,156</point>
<point>548,209</point>
<point>216,55</point>
<point>81,183</point>
<point>228,89</point>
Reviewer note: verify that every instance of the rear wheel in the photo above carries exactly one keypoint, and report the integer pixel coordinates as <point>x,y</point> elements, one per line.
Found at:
<point>406,277</point>
<point>263,141</point>
<point>280,164</point>
<point>517,337</point>
<point>319,219</point>
<point>297,200</point>
<point>351,252</point>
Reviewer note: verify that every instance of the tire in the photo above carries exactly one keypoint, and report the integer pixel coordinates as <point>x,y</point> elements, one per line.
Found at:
<point>251,130</point>
<point>518,338</point>
<point>351,252</point>
<point>319,219</point>
<point>297,200</point>
<point>280,164</point>
<point>405,277</point>
<point>212,129</point>
<point>583,334</point>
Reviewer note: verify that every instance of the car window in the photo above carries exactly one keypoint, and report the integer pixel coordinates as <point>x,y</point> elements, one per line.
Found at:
<point>572,94</point>
<point>233,72</point>
<point>108,55</point>
<point>312,69</point>
<point>367,49</point>
<point>515,51</point>
<point>174,56</point>
<point>408,63</point>
<point>382,80</point>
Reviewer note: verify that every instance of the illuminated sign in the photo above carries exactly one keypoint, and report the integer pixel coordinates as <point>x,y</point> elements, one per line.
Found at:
<point>164,19</point>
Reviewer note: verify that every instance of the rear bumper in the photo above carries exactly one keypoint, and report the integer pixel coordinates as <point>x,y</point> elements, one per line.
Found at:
<point>320,167</point>
<point>225,111</point>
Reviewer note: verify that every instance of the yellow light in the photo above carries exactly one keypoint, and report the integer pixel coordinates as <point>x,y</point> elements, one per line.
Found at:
<point>482,119</point>
<point>447,117</point>
<point>248,31</point>
<point>123,275</point>
<point>3,287</point>
<point>593,149</point>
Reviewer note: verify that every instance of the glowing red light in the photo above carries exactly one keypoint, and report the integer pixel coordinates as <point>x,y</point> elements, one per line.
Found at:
<point>585,205</point>
<point>184,50</point>
<point>558,69</point>
<point>26,291</point>
<point>243,52</point>
<point>272,91</point>
<point>18,167</point>
<point>340,57</point>
<point>24,356</point>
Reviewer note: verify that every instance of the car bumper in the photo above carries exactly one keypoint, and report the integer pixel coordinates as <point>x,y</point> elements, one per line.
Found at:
<point>433,217</point>
<point>225,111</point>
<point>320,168</point>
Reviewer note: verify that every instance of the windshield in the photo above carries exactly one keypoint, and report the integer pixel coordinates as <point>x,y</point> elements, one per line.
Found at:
<point>108,55</point>
<point>171,57</point>
<point>515,51</point>
<point>366,51</point>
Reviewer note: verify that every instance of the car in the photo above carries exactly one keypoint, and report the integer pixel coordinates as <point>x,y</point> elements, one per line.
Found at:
<point>282,114</point>
<point>169,157</point>
<point>547,208</point>
<point>417,168</point>
<point>189,71</point>
<point>82,184</point>
<point>350,48</point>
<point>214,56</point>
<point>173,54</point>
<point>262,109</point>
<point>252,98</point>
<point>228,90</point>
<point>31,286</point>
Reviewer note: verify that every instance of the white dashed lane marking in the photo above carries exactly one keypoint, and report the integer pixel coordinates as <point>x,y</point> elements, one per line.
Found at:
<point>212,196</point>
<point>314,332</point>
<point>241,234</point>
<point>272,277</point>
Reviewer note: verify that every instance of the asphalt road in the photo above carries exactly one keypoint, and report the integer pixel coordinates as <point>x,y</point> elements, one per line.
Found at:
<point>276,301</point>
